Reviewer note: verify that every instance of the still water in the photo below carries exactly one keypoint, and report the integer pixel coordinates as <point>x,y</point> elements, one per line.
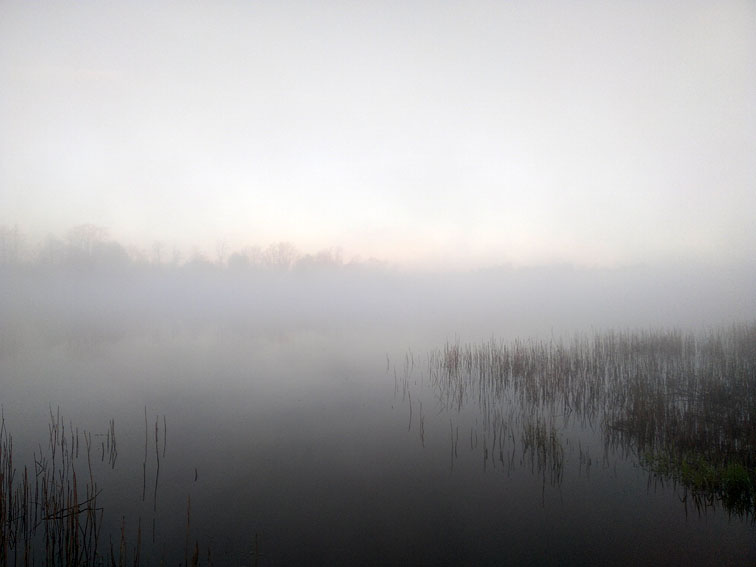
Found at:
<point>338,447</point>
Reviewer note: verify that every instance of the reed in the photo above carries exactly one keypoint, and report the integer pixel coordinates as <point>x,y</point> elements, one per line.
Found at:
<point>542,446</point>
<point>50,514</point>
<point>49,521</point>
<point>683,403</point>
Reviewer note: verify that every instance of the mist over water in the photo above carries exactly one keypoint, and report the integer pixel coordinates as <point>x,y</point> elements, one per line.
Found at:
<point>293,411</point>
<point>93,287</point>
<point>377,283</point>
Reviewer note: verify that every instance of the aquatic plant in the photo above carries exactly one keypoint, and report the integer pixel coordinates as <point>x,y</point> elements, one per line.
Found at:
<point>685,404</point>
<point>51,514</point>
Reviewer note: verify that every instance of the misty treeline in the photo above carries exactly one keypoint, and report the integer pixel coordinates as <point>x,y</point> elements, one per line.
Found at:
<point>89,247</point>
<point>85,286</point>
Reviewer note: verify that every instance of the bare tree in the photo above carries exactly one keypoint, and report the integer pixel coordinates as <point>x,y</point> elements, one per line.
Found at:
<point>157,253</point>
<point>249,257</point>
<point>52,251</point>
<point>10,245</point>
<point>83,239</point>
<point>325,259</point>
<point>221,250</point>
<point>176,257</point>
<point>281,256</point>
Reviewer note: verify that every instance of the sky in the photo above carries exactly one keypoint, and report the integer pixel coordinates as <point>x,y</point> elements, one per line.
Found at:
<point>459,134</point>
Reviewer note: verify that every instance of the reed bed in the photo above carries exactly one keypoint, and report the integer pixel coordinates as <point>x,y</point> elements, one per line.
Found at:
<point>683,403</point>
<point>50,513</point>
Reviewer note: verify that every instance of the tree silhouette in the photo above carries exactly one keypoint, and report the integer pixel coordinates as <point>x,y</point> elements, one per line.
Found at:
<point>10,245</point>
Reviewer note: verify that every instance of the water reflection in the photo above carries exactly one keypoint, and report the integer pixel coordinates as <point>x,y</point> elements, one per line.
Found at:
<point>684,406</point>
<point>322,449</point>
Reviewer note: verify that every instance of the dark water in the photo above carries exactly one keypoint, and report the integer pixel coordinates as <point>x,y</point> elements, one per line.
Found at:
<point>337,448</point>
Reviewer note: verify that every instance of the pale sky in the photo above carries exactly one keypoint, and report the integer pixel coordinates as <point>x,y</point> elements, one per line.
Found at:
<point>432,133</point>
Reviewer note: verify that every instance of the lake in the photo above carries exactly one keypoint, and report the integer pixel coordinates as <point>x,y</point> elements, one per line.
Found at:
<point>374,441</point>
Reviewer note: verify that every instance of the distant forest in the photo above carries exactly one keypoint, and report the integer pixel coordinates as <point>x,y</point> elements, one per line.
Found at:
<point>88,246</point>
<point>87,284</point>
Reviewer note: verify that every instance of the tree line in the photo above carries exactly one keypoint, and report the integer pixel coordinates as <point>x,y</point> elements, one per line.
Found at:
<point>89,246</point>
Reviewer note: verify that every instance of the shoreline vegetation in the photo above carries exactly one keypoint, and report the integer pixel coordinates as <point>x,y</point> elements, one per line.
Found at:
<point>88,247</point>
<point>52,511</point>
<point>85,287</point>
<point>683,404</point>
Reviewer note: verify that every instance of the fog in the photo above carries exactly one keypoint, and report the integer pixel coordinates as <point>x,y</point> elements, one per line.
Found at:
<point>96,290</point>
<point>602,134</point>
<point>378,283</point>
<point>296,397</point>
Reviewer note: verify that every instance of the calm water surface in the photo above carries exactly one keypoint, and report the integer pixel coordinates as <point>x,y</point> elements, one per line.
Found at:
<point>336,447</point>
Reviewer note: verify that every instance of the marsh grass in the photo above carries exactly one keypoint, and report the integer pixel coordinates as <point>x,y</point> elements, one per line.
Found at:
<point>705,481</point>
<point>50,514</point>
<point>683,404</point>
<point>543,448</point>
